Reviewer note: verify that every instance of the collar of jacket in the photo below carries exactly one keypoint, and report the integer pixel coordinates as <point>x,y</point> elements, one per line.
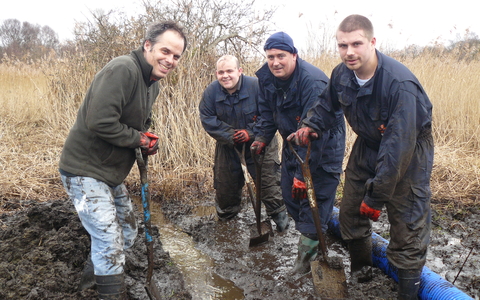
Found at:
<point>267,79</point>
<point>144,66</point>
<point>348,79</point>
<point>241,92</point>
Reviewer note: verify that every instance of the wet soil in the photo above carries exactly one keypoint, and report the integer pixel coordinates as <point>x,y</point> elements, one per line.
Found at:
<point>43,248</point>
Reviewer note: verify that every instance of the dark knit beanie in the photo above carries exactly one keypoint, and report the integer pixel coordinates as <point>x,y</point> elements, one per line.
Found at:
<point>280,40</point>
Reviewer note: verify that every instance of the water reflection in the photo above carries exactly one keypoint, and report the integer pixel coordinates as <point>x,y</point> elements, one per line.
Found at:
<point>196,267</point>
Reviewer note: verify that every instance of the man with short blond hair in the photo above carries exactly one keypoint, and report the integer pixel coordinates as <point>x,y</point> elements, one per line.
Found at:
<point>391,160</point>
<point>228,111</point>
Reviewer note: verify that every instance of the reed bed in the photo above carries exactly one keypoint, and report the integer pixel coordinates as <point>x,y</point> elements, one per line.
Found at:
<point>39,104</point>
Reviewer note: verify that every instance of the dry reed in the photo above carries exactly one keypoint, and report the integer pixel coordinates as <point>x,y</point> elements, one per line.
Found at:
<point>39,105</point>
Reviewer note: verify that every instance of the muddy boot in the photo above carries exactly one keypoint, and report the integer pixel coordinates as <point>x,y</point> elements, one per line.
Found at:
<point>281,220</point>
<point>361,259</point>
<point>307,251</point>
<point>408,284</point>
<point>111,287</point>
<point>88,277</point>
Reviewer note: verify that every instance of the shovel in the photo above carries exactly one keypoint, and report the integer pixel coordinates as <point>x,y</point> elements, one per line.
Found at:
<point>142,162</point>
<point>264,228</point>
<point>328,273</point>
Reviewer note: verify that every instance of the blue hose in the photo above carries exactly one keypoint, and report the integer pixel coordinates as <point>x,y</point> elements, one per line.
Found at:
<point>432,286</point>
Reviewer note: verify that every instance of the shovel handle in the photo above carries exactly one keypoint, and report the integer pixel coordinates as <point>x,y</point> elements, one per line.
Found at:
<point>142,162</point>
<point>312,199</point>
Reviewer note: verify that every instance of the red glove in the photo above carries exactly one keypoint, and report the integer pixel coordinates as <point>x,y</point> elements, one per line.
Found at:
<point>299,189</point>
<point>369,212</point>
<point>241,136</point>
<point>257,147</point>
<point>301,137</point>
<point>148,143</point>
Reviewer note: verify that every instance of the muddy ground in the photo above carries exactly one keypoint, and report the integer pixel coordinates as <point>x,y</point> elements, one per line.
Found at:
<point>43,248</point>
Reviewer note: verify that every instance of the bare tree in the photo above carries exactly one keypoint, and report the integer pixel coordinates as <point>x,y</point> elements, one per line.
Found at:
<point>23,40</point>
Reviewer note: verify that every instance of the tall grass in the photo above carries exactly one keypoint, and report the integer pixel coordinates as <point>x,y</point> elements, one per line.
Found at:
<point>39,105</point>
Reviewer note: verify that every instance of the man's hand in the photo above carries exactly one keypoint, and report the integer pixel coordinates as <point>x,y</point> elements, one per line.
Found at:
<point>371,213</point>
<point>302,136</point>
<point>241,136</point>
<point>257,147</point>
<point>148,143</point>
<point>299,189</point>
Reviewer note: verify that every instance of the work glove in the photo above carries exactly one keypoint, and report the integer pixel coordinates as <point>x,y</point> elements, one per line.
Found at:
<point>241,136</point>
<point>148,143</point>
<point>299,189</point>
<point>257,147</point>
<point>371,213</point>
<point>302,136</point>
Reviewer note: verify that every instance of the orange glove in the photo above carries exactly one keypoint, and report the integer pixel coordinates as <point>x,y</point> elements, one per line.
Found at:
<point>148,143</point>
<point>299,189</point>
<point>257,147</point>
<point>371,213</point>
<point>241,136</point>
<point>301,137</point>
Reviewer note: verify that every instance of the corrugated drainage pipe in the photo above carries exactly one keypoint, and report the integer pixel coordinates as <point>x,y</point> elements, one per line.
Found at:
<point>432,285</point>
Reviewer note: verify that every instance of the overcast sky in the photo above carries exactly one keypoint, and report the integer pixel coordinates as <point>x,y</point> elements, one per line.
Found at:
<point>397,23</point>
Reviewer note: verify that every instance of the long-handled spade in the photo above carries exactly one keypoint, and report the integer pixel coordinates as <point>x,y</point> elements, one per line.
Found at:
<point>142,162</point>
<point>328,273</point>
<point>264,228</point>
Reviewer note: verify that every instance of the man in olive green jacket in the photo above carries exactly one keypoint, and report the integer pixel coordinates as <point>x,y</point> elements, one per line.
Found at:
<point>100,151</point>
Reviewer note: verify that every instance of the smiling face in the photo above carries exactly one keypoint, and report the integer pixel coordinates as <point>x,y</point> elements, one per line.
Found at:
<point>357,52</point>
<point>228,74</point>
<point>164,54</point>
<point>281,63</point>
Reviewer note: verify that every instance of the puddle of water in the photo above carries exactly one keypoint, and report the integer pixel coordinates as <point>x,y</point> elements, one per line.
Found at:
<point>195,266</point>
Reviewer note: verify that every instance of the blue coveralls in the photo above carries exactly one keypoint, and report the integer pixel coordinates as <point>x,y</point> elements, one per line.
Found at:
<point>283,111</point>
<point>222,113</point>
<point>391,160</point>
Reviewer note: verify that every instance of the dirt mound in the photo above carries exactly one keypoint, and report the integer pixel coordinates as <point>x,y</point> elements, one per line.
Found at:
<point>43,248</point>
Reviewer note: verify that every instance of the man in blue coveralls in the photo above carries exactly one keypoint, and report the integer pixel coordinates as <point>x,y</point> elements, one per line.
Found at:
<point>289,86</point>
<point>392,158</point>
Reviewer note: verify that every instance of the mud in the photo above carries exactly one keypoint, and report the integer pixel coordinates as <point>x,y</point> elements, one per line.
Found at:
<point>43,248</point>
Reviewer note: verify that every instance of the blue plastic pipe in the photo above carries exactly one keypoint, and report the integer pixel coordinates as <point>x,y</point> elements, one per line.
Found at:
<point>432,286</point>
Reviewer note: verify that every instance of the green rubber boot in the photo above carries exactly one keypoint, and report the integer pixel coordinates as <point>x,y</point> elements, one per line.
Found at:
<point>307,251</point>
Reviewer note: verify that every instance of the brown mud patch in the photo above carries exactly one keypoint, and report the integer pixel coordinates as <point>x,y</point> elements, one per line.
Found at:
<point>43,248</point>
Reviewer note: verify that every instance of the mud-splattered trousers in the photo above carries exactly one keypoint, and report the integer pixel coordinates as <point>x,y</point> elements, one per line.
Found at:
<point>391,161</point>
<point>229,179</point>
<point>221,113</point>
<point>283,111</point>
<point>107,215</point>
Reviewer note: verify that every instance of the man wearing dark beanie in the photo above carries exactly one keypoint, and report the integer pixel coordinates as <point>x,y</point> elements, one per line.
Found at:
<point>289,86</point>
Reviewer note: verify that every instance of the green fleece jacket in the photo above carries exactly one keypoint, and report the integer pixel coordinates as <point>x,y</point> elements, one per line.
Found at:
<point>117,106</point>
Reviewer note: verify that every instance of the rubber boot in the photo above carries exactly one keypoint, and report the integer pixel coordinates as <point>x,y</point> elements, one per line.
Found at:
<point>281,220</point>
<point>87,281</point>
<point>111,287</point>
<point>307,251</point>
<point>361,259</point>
<point>408,284</point>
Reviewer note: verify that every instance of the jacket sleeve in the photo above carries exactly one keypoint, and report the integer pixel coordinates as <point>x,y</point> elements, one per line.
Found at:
<point>265,128</point>
<point>109,93</point>
<point>322,115</point>
<point>397,146</point>
<point>220,131</point>
<point>311,91</point>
